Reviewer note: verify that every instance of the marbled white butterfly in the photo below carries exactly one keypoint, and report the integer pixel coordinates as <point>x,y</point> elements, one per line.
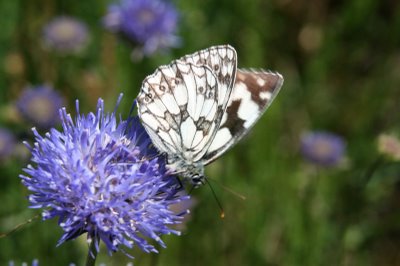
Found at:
<point>199,106</point>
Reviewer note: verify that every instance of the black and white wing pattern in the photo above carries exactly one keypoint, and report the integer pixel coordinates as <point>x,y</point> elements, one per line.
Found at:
<point>222,61</point>
<point>200,105</point>
<point>252,94</point>
<point>181,106</point>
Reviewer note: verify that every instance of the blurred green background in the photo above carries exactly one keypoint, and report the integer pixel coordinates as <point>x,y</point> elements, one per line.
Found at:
<point>341,64</point>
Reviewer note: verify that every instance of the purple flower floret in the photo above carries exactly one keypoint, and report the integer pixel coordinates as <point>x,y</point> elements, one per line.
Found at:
<point>103,177</point>
<point>39,105</point>
<point>150,24</point>
<point>65,35</point>
<point>322,148</point>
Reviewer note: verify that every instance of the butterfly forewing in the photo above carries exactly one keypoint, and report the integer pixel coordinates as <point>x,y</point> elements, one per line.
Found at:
<point>178,106</point>
<point>222,60</point>
<point>252,94</point>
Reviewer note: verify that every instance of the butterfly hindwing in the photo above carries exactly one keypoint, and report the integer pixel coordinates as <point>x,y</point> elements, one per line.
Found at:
<point>252,94</point>
<point>179,108</point>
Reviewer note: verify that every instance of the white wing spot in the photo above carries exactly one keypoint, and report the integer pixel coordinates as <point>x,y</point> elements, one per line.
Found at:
<point>265,95</point>
<point>221,138</point>
<point>261,82</point>
<point>170,103</point>
<point>188,129</point>
<point>248,111</point>
<point>180,94</point>
<point>240,91</point>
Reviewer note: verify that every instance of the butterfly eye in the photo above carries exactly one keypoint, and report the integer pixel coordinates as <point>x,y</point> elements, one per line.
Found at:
<point>196,179</point>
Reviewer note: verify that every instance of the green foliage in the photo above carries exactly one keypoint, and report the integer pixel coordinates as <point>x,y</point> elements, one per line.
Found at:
<point>341,64</point>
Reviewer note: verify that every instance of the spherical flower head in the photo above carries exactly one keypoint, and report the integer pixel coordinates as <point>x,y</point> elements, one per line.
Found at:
<point>103,177</point>
<point>39,105</point>
<point>65,35</point>
<point>151,24</point>
<point>7,143</point>
<point>322,148</point>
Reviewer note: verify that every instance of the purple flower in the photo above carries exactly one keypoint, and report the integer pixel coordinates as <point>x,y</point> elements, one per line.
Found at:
<point>39,105</point>
<point>150,24</point>
<point>102,177</point>
<point>7,143</point>
<point>322,148</point>
<point>188,206</point>
<point>65,35</point>
<point>35,262</point>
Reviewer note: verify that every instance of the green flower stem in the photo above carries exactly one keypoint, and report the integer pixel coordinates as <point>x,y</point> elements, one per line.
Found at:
<point>92,254</point>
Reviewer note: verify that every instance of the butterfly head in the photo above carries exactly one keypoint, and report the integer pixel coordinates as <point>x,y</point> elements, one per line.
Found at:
<point>196,179</point>
<point>193,172</point>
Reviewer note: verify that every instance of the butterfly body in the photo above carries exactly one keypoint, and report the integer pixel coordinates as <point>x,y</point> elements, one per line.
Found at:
<point>200,105</point>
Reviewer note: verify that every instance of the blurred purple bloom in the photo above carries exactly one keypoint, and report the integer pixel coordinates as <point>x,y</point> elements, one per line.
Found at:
<point>150,24</point>
<point>40,106</point>
<point>100,176</point>
<point>7,143</point>
<point>322,148</point>
<point>35,262</point>
<point>65,34</point>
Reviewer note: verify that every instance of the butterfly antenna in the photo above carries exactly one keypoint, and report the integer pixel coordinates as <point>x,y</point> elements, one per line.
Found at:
<point>18,226</point>
<point>216,199</point>
<point>237,194</point>
<point>191,190</point>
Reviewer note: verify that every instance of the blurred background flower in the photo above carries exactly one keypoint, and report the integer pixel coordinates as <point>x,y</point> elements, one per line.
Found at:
<point>40,105</point>
<point>389,145</point>
<point>7,143</point>
<point>35,262</point>
<point>14,64</point>
<point>65,35</point>
<point>149,24</point>
<point>322,148</point>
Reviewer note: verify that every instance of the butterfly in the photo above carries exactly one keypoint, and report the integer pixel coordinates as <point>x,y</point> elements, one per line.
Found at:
<point>199,106</point>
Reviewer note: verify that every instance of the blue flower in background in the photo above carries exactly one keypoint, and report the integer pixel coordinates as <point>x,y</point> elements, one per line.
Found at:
<point>34,263</point>
<point>65,35</point>
<point>103,177</point>
<point>7,143</point>
<point>151,24</point>
<point>39,105</point>
<point>322,148</point>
